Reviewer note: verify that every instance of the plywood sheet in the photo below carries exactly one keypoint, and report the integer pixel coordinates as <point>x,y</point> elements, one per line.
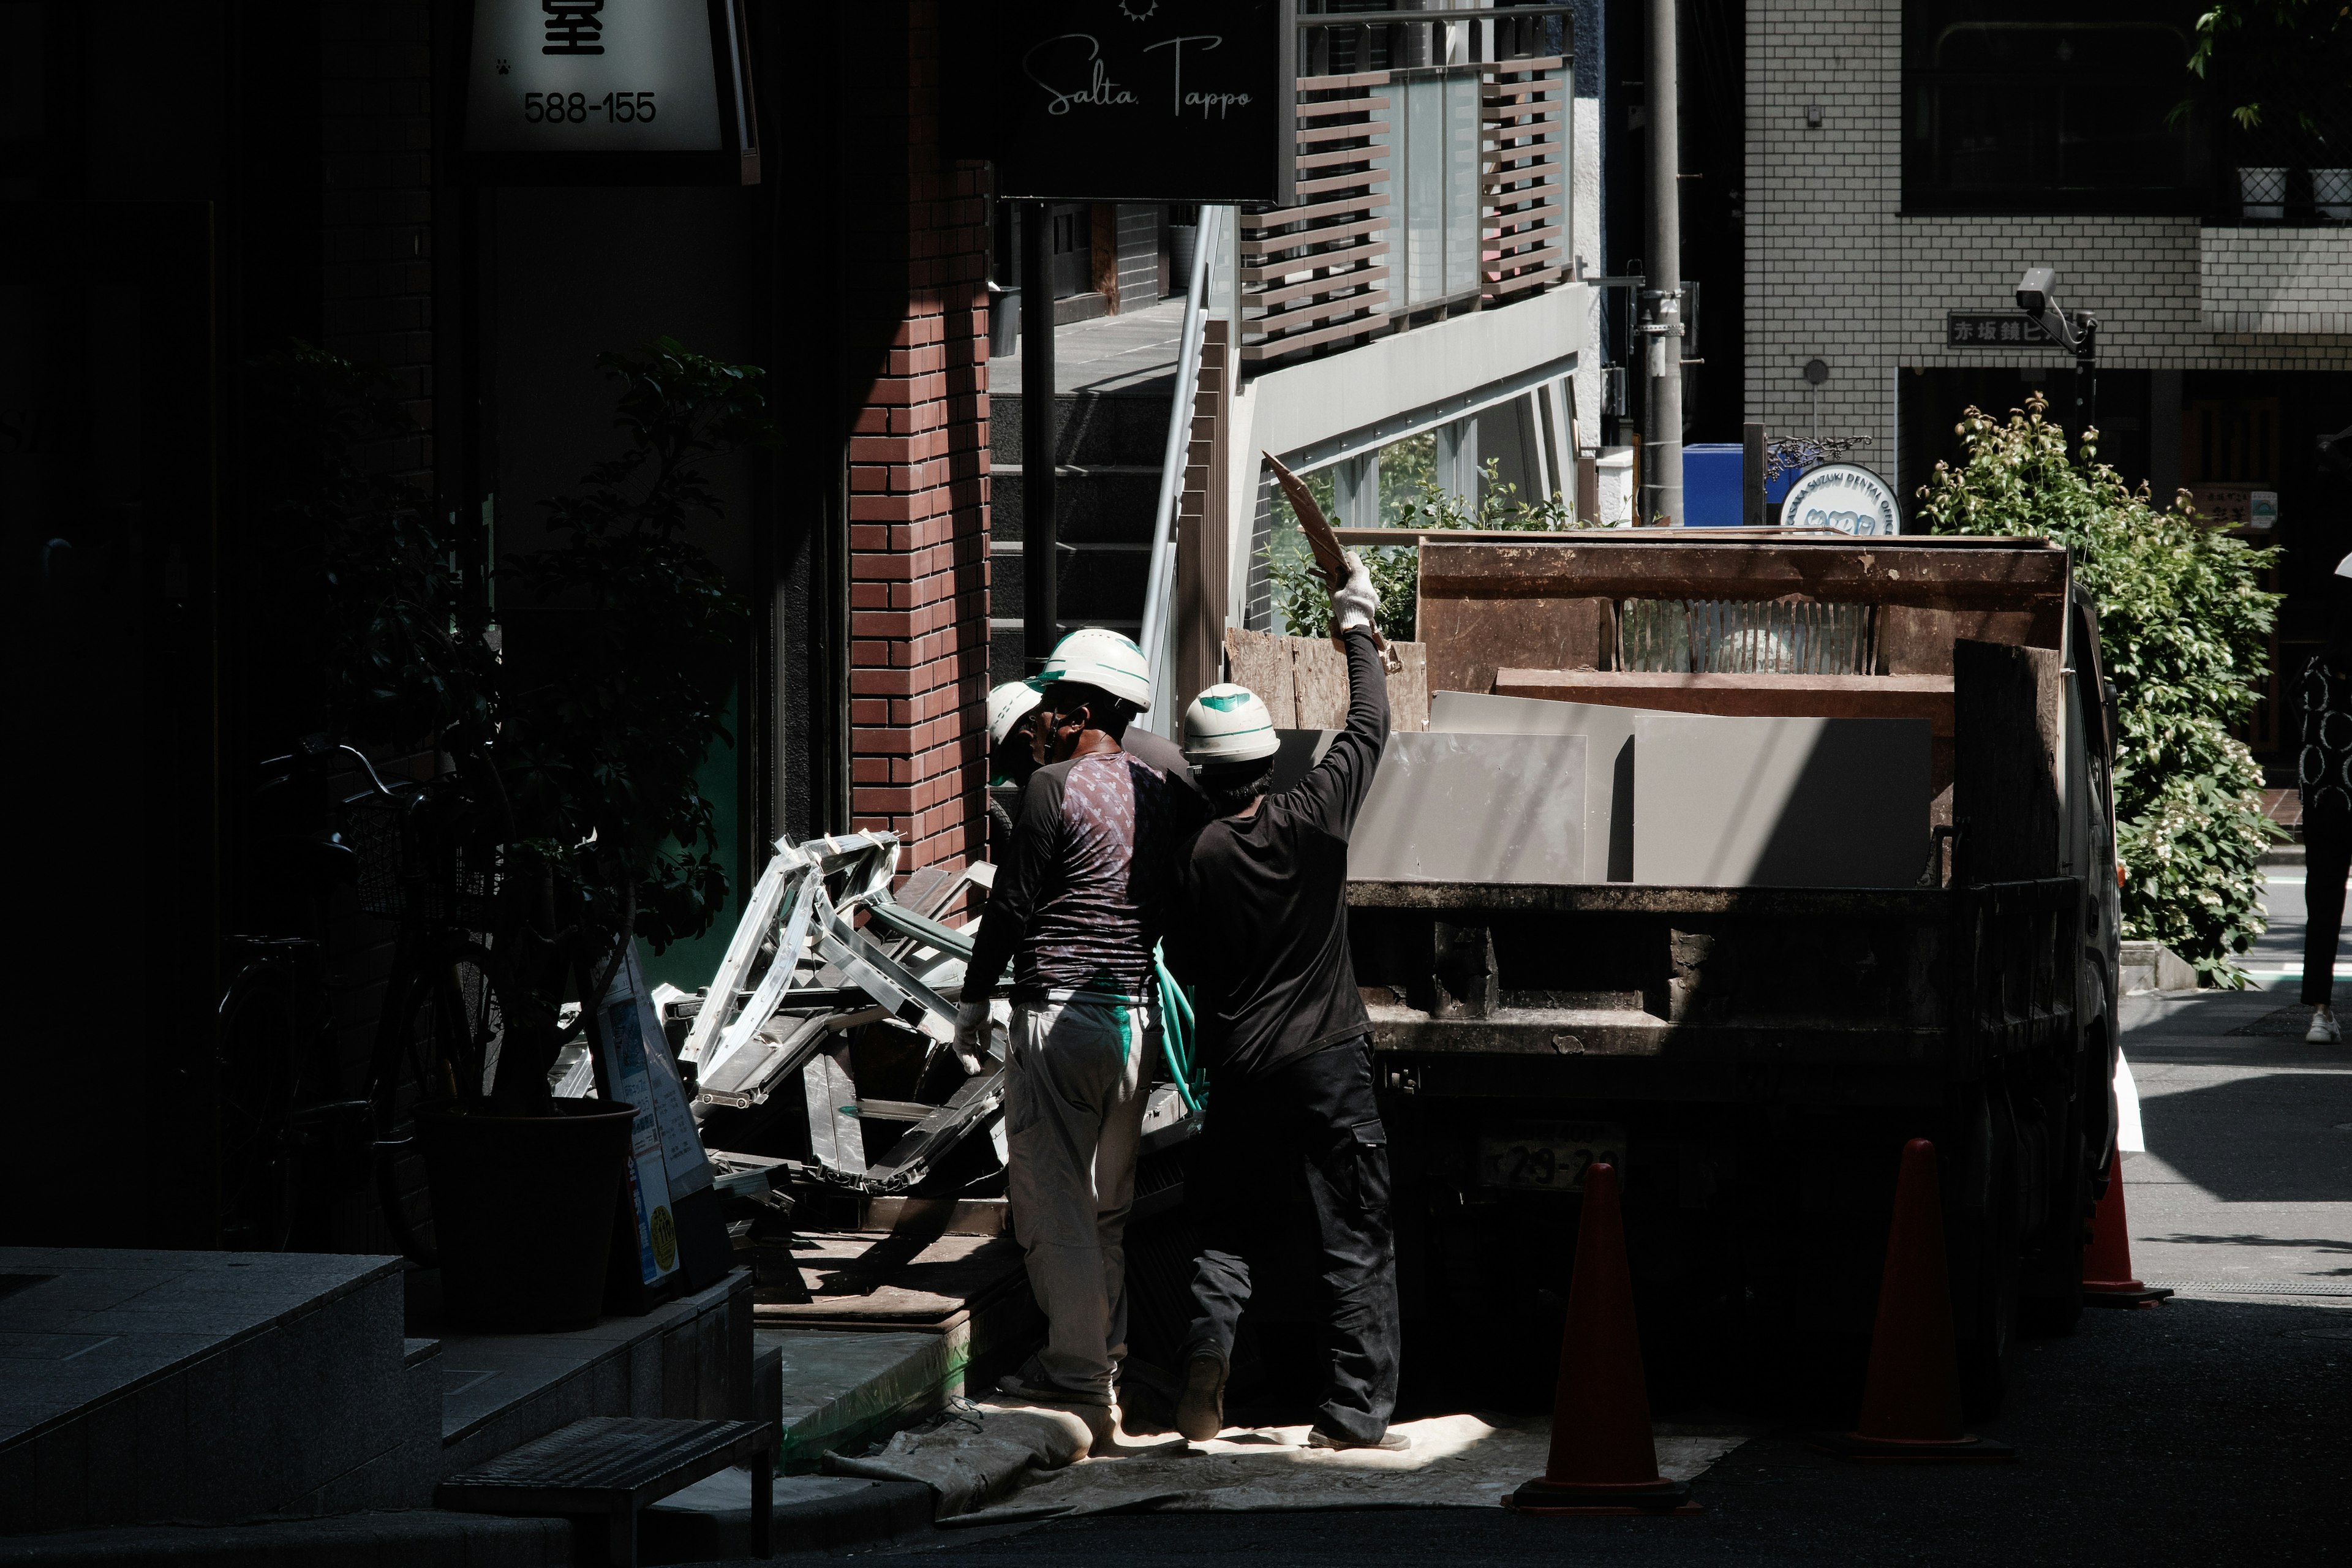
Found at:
<point>1303,681</point>
<point>1474,808</point>
<point>1609,760</point>
<point>1784,802</point>
<point>1261,661</point>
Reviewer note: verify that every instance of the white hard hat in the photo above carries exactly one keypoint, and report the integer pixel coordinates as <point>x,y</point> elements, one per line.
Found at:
<point>1007,706</point>
<point>1227,723</point>
<point>1100,657</point>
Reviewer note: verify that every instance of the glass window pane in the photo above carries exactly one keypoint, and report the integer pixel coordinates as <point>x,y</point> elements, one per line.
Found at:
<point>1461,184</point>
<point>1425,197</point>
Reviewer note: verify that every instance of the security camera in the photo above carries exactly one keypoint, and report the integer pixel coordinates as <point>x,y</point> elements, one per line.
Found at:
<point>2037,296</point>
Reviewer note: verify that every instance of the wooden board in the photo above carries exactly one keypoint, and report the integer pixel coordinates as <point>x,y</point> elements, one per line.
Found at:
<point>1303,681</point>
<point>1927,696</point>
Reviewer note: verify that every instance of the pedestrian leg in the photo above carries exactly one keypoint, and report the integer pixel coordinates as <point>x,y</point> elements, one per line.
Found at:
<point>1064,1075</point>
<point>2327,858</point>
<point>1115,1156</point>
<point>1347,1175</point>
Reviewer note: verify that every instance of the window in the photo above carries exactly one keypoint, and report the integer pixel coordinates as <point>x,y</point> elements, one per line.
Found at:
<point>1434,184</point>
<point>2008,108</point>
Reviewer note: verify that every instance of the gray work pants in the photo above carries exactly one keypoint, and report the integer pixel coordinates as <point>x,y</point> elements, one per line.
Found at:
<point>1073,1117</point>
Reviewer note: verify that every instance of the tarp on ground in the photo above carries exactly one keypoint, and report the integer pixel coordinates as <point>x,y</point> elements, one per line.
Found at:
<point>992,1465</point>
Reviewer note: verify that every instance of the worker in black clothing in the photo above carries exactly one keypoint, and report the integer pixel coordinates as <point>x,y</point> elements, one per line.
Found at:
<point>1260,934</point>
<point>2323,779</point>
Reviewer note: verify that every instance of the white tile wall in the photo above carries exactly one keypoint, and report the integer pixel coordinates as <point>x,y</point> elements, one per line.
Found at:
<point>1835,271</point>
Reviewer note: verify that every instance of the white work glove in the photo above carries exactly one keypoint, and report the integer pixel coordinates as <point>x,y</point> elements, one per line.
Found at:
<point>1353,602</point>
<point>971,1036</point>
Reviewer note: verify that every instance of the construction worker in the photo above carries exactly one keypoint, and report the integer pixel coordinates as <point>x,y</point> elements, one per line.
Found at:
<point>1078,909</point>
<point>1262,936</point>
<point>1011,757</point>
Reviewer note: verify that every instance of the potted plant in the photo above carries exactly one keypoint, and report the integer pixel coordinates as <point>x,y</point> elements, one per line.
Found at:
<point>620,651</point>
<point>2283,78</point>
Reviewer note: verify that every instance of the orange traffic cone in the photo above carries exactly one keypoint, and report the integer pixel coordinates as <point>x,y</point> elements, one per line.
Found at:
<point>1911,1403</point>
<point>2107,1279</point>
<point>1602,1460</point>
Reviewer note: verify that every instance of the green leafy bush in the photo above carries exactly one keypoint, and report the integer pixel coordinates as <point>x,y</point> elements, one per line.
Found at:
<point>1303,605</point>
<point>2183,632</point>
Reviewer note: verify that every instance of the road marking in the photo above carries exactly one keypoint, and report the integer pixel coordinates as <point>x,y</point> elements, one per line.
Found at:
<point>2295,972</point>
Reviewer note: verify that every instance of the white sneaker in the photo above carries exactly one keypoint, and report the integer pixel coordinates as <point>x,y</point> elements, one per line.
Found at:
<point>2325,1030</point>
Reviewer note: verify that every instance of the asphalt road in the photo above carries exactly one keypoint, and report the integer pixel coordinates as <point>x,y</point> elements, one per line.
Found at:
<point>2215,1428</point>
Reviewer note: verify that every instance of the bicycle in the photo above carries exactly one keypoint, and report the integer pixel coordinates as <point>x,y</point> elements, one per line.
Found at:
<point>284,1135</point>
<point>429,857</point>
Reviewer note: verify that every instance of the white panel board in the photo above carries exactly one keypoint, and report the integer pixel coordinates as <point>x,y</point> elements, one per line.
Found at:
<point>1780,802</point>
<point>1609,758</point>
<point>1474,808</point>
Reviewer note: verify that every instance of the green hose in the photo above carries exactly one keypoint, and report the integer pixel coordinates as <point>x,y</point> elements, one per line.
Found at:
<point>1176,1037</point>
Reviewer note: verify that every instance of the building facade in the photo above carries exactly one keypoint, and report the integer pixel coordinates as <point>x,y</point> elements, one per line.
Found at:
<point>1908,159</point>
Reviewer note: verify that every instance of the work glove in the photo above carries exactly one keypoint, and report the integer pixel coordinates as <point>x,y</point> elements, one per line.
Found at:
<point>971,1036</point>
<point>1353,602</point>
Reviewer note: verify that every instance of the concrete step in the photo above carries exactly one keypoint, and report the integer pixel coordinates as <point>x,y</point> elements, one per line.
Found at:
<point>1100,584</point>
<point>420,1538</point>
<point>151,1386</point>
<point>1090,428</point>
<point>1102,503</point>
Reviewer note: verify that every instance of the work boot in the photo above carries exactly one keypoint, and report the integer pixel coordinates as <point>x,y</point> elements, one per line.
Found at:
<point>2325,1030</point>
<point>1389,1442</point>
<point>1201,1408</point>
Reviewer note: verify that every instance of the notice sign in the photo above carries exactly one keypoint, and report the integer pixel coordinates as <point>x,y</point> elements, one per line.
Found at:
<point>1183,100</point>
<point>1993,330</point>
<point>1844,496</point>
<point>667,1163</point>
<point>601,75</point>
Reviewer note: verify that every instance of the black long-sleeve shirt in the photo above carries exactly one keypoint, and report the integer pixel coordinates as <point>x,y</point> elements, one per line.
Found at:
<point>1083,898</point>
<point>1261,927</point>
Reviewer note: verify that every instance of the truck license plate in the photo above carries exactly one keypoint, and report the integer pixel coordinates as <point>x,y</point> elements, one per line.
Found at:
<point>1549,1159</point>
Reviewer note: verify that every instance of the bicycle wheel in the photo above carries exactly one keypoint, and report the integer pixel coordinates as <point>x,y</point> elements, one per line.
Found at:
<point>444,1021</point>
<point>257,1047</point>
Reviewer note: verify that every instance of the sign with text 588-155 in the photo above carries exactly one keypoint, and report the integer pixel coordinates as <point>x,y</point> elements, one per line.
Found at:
<point>593,75</point>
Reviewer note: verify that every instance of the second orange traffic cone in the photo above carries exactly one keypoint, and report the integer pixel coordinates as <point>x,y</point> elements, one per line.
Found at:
<point>2107,1279</point>
<point>1602,1458</point>
<point>1911,1402</point>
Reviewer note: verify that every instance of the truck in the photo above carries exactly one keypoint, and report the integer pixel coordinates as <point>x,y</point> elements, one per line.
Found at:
<point>1753,1058</point>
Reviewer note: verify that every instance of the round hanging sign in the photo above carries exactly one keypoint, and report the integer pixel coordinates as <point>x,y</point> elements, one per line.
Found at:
<point>1846,496</point>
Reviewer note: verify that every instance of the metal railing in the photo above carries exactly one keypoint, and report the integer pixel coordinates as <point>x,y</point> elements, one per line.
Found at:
<point>1432,159</point>
<point>1159,629</point>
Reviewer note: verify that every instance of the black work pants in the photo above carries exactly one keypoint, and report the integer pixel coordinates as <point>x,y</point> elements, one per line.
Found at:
<point>2328,859</point>
<point>1317,1108</point>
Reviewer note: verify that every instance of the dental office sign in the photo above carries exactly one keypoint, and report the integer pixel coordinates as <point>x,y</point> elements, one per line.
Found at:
<point>1176,100</point>
<point>633,91</point>
<point>1843,497</point>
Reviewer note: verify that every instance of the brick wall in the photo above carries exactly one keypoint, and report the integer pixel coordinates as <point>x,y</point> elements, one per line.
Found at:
<point>1836,271</point>
<point>2276,280</point>
<point>919,497</point>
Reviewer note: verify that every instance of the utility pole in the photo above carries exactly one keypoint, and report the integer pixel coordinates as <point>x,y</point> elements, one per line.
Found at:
<point>1040,532</point>
<point>1662,451</point>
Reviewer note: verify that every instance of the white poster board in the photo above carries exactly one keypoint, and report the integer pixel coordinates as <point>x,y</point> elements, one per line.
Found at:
<point>666,1160</point>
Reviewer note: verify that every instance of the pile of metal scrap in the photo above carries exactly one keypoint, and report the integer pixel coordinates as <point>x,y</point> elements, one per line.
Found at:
<point>803,977</point>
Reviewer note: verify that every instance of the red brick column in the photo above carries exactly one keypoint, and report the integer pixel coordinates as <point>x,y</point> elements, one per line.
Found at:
<point>919,506</point>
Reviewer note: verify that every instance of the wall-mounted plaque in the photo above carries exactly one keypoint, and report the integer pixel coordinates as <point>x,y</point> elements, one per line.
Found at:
<point>610,91</point>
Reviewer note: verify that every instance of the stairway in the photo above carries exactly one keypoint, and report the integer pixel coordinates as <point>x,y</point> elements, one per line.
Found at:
<point>1108,449</point>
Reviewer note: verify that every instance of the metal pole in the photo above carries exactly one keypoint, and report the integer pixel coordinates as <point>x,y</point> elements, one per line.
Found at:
<point>2086,380</point>
<point>1661,452</point>
<point>1040,534</point>
<point>1751,474</point>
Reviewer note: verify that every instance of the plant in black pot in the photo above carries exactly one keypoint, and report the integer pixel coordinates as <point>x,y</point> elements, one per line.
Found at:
<point>621,646</point>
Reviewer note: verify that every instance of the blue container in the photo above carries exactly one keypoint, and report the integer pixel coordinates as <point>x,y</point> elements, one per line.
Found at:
<point>1711,484</point>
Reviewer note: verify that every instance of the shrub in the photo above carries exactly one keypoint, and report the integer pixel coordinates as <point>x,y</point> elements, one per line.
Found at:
<point>2183,629</point>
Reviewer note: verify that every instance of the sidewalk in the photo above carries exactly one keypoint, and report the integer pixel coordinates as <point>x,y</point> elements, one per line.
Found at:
<point>2246,1189</point>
